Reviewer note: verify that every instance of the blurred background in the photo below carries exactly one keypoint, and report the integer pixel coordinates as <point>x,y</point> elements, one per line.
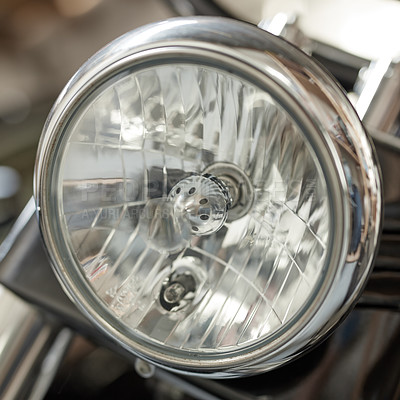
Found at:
<point>42,44</point>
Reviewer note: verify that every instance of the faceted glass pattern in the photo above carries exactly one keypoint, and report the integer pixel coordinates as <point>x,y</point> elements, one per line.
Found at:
<point>138,136</point>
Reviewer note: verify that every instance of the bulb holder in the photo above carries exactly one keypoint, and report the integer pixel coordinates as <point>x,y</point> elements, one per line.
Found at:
<point>285,251</point>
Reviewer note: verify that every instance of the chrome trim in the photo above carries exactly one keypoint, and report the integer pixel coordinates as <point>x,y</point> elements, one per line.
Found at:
<point>50,364</point>
<point>287,27</point>
<point>359,361</point>
<point>370,83</point>
<point>378,105</point>
<point>25,340</point>
<point>17,228</point>
<point>320,107</point>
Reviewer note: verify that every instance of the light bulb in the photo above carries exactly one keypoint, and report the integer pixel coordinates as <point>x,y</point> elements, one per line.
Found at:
<point>195,184</point>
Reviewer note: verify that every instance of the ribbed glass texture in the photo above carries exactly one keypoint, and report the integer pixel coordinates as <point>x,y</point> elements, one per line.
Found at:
<point>138,136</point>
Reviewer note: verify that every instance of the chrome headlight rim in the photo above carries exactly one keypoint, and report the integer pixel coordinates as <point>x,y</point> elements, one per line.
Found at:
<point>265,355</point>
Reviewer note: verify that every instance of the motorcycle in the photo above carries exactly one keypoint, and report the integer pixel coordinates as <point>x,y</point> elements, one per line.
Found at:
<point>212,205</point>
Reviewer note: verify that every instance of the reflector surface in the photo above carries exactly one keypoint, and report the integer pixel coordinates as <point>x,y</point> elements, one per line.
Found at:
<point>135,138</point>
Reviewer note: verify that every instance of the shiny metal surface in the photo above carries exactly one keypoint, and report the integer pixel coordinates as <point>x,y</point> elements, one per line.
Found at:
<point>239,187</point>
<point>9,186</point>
<point>25,270</point>
<point>330,124</point>
<point>255,254</point>
<point>286,26</point>
<point>359,361</point>
<point>378,105</point>
<point>366,328</point>
<point>377,88</point>
<point>50,364</point>
<point>25,339</point>
<point>375,91</point>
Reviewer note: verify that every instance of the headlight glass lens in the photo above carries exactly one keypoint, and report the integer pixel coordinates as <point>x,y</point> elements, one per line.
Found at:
<point>159,241</point>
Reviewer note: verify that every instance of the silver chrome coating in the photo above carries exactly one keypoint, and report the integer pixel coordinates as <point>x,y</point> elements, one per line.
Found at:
<point>204,202</point>
<point>27,339</point>
<point>239,187</point>
<point>378,105</point>
<point>332,127</point>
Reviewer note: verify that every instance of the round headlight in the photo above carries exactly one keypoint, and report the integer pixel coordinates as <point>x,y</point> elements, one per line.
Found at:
<point>208,196</point>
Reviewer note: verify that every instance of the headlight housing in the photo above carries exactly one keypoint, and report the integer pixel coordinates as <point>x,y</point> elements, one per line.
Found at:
<point>208,196</point>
